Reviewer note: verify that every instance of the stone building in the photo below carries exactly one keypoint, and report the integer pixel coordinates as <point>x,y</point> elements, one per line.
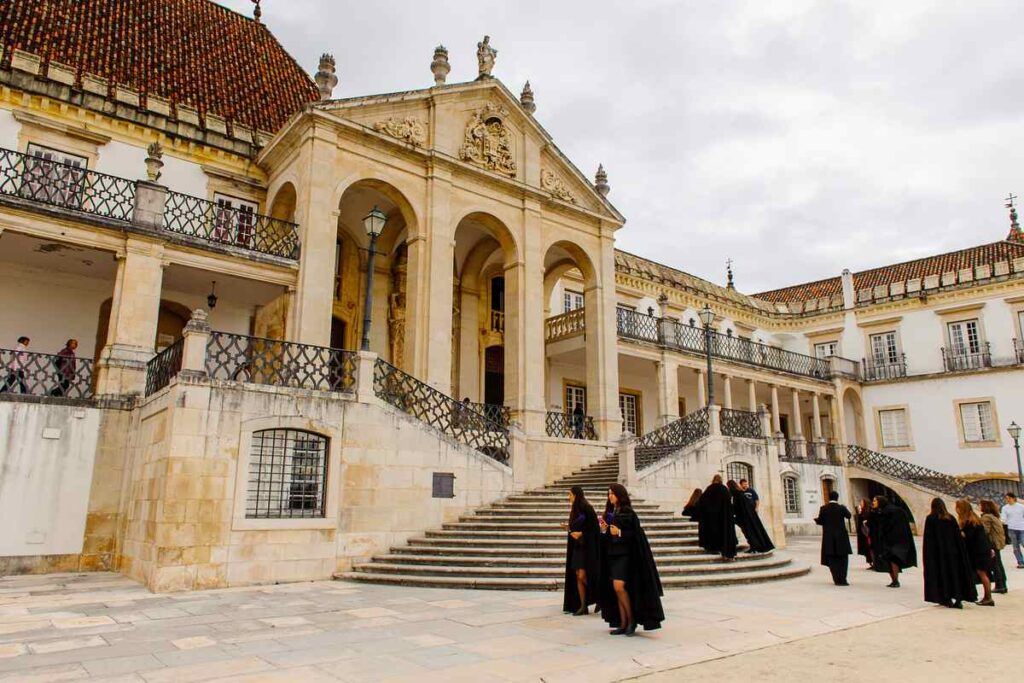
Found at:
<point>206,220</point>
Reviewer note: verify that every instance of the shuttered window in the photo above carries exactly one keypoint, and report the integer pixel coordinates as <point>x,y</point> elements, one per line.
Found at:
<point>976,420</point>
<point>791,494</point>
<point>893,425</point>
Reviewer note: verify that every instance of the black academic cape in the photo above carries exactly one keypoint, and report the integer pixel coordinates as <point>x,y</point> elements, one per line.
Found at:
<point>692,511</point>
<point>979,548</point>
<point>863,545</point>
<point>947,570</point>
<point>748,520</point>
<point>895,539</point>
<point>877,562</point>
<point>716,529</point>
<point>643,584</point>
<point>835,541</point>
<point>591,545</point>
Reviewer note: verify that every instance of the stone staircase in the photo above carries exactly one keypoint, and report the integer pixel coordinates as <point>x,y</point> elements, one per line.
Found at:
<point>516,544</point>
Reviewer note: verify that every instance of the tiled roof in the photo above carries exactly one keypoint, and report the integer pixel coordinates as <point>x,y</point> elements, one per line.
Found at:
<point>631,264</point>
<point>191,52</point>
<point>1005,250</point>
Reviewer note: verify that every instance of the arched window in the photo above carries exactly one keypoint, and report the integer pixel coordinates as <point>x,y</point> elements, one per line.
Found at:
<point>791,493</point>
<point>287,474</point>
<point>740,470</point>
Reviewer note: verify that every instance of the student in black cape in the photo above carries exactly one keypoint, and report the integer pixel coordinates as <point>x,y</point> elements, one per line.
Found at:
<point>874,515</point>
<point>895,548</point>
<point>716,530</point>
<point>861,520</point>
<point>979,549</point>
<point>582,554</point>
<point>691,508</point>
<point>630,586</point>
<point>835,540</point>
<point>948,577</point>
<point>745,512</point>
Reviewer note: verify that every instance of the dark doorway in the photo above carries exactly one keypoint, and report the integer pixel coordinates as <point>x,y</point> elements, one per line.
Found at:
<point>494,375</point>
<point>338,333</point>
<point>498,294</point>
<point>784,426</point>
<point>877,489</point>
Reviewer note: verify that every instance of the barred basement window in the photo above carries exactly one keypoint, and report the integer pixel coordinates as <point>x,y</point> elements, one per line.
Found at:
<point>287,474</point>
<point>791,494</point>
<point>444,485</point>
<point>740,470</point>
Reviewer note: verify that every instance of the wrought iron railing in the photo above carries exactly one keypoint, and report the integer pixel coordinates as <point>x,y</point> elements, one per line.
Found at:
<point>565,325</point>
<point>211,222</point>
<point>796,451</point>
<point>242,358</point>
<point>741,423</point>
<point>661,442</point>
<point>877,370</point>
<point>916,474</point>
<point>956,361</point>
<point>163,366</point>
<point>1018,348</point>
<point>459,420</point>
<point>498,321</point>
<point>495,413</point>
<point>65,186</point>
<point>567,426</point>
<point>45,374</point>
<point>637,326</point>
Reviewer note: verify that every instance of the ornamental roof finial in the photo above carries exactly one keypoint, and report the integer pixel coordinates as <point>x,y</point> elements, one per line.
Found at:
<point>256,11</point>
<point>325,76</point>
<point>1015,231</point>
<point>440,66</point>
<point>728,273</point>
<point>601,181</point>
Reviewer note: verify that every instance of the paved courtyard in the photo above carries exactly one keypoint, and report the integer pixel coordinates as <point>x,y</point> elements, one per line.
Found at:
<point>103,626</point>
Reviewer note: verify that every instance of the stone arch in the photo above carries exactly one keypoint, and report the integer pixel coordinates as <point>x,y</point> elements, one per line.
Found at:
<point>365,191</point>
<point>171,321</point>
<point>854,432</point>
<point>494,227</point>
<point>575,253</point>
<point>915,503</point>
<point>284,202</point>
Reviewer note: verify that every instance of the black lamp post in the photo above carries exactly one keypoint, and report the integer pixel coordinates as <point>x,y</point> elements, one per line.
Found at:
<point>707,316</point>
<point>374,225</point>
<point>1014,430</point>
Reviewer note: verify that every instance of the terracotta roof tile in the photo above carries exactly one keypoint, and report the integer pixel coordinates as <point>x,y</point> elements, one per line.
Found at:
<point>191,52</point>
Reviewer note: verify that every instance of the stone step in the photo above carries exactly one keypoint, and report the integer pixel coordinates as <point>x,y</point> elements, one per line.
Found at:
<point>562,511</point>
<point>553,560</point>
<point>549,551</point>
<point>540,534</point>
<point>650,526</point>
<point>556,518</point>
<point>490,540</point>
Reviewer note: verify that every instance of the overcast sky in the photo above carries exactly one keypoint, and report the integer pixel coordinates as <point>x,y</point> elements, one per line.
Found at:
<point>797,138</point>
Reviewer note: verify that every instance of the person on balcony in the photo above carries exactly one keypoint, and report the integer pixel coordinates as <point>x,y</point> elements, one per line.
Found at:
<point>979,550</point>
<point>578,418</point>
<point>745,514</point>
<point>16,367</point>
<point>835,541</point>
<point>716,528</point>
<point>948,577</point>
<point>582,554</point>
<point>895,548</point>
<point>67,365</point>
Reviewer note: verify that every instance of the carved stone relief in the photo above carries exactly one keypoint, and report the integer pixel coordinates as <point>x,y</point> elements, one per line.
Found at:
<point>409,129</point>
<point>487,141</point>
<point>553,184</point>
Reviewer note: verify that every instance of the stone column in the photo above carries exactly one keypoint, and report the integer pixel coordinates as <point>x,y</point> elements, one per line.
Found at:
<point>776,423</point>
<point>798,430</point>
<point>726,391</point>
<point>602,344</point>
<point>833,418</point>
<point>751,395</point>
<point>525,350</point>
<point>437,337</point>
<point>469,345</point>
<point>197,337</point>
<point>134,311</point>
<point>815,417</point>
<point>701,389</point>
<point>668,390</point>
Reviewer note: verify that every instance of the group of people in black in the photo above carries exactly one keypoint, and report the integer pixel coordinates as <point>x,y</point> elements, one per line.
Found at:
<point>719,509</point>
<point>609,564</point>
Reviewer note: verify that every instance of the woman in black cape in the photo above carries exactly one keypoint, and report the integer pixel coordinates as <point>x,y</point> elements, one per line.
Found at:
<point>861,521</point>
<point>948,577</point>
<point>691,509</point>
<point>748,520</point>
<point>716,530</point>
<point>895,548</point>
<point>630,586</point>
<point>979,548</point>
<point>582,554</point>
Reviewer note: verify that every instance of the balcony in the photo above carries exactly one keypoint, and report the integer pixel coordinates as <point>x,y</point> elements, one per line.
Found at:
<point>44,374</point>
<point>567,426</point>
<point>1018,349</point>
<point>879,370</point>
<point>71,189</point>
<point>565,325</point>
<point>959,360</point>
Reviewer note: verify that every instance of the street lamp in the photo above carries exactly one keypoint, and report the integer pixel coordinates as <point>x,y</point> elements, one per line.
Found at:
<point>374,225</point>
<point>1014,430</point>
<point>707,316</point>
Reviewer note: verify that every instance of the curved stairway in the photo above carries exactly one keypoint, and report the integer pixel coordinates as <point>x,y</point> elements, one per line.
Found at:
<point>516,544</point>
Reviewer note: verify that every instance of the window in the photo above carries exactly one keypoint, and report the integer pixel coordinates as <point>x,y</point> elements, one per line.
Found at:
<point>575,394</point>
<point>54,177</point>
<point>791,494</point>
<point>1020,324</point>
<point>571,300</point>
<point>287,474</point>
<point>893,426</point>
<point>884,349</point>
<point>963,338</point>
<point>443,485</point>
<point>629,407</point>
<point>826,349</point>
<point>234,220</point>
<point>976,421</point>
<point>740,470</point>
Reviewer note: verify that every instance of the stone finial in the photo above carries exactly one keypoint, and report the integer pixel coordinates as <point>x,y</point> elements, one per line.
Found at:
<point>601,181</point>
<point>485,56</point>
<point>154,161</point>
<point>256,11</point>
<point>728,272</point>
<point>325,76</point>
<point>526,99</point>
<point>440,66</point>
<point>1015,231</point>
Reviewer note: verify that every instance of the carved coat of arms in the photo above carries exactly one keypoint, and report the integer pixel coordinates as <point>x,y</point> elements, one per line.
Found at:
<point>487,141</point>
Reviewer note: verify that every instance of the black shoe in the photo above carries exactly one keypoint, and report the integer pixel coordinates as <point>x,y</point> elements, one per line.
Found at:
<point>631,629</point>
<point>582,611</point>
<point>617,632</point>
<point>1000,590</point>
<point>894,584</point>
<point>956,604</point>
<point>843,583</point>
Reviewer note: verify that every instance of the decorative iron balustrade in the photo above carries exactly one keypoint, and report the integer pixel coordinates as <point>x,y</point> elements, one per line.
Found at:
<point>956,361</point>
<point>454,418</point>
<point>498,321</point>
<point>279,363</point>
<point>741,423</point>
<point>875,371</point>
<point>916,474</point>
<point>1018,347</point>
<point>796,451</point>
<point>662,442</point>
<point>833,453</point>
<point>638,326</point>
<point>495,413</point>
<point>564,426</point>
<point>211,222</point>
<point>163,366</point>
<point>45,374</point>
<point>565,325</point>
<point>65,186</point>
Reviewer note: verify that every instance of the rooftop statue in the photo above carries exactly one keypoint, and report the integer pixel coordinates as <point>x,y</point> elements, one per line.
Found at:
<point>485,56</point>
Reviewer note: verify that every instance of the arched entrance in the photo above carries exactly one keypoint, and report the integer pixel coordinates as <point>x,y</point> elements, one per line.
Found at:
<point>853,418</point>
<point>171,321</point>
<point>861,487</point>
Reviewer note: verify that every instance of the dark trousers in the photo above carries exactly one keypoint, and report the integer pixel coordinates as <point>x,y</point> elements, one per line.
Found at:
<point>15,378</point>
<point>840,567</point>
<point>997,572</point>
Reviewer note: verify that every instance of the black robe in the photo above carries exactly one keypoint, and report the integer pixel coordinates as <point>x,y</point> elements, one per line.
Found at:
<point>874,535</point>
<point>863,544</point>
<point>748,520</point>
<point>716,530</point>
<point>643,584</point>
<point>590,543</point>
<point>895,539</point>
<point>947,570</point>
<point>979,548</point>
<point>835,541</point>
<point>692,511</point>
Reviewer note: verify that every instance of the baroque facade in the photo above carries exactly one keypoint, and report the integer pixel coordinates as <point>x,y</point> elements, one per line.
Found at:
<point>210,256</point>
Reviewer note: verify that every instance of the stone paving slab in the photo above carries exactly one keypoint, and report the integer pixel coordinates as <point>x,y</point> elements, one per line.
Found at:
<point>106,627</point>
